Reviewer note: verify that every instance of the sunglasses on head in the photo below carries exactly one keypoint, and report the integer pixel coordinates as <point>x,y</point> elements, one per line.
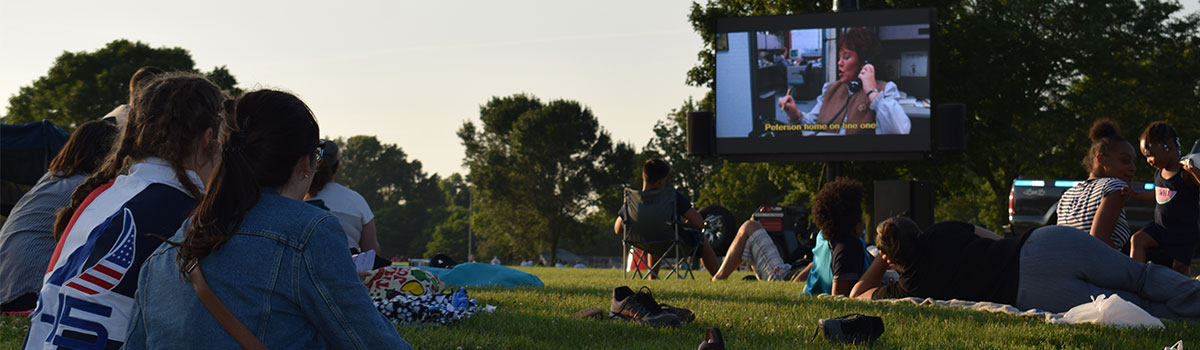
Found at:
<point>320,151</point>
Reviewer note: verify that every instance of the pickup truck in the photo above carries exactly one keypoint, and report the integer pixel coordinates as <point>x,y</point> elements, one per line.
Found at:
<point>1034,203</point>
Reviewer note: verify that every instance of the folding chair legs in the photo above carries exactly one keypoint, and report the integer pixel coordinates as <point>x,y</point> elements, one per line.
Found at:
<point>681,268</point>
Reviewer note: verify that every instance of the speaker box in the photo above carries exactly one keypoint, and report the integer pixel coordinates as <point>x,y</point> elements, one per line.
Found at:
<point>911,199</point>
<point>951,127</point>
<point>701,132</point>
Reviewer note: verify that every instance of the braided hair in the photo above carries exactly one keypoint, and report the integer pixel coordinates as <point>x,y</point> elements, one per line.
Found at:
<point>168,116</point>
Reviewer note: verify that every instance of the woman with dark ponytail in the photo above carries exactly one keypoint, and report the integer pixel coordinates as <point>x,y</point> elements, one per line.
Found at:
<point>146,188</point>
<point>1053,268</point>
<point>1097,205</point>
<point>278,264</point>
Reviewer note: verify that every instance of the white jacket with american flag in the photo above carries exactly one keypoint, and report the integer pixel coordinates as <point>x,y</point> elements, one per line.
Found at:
<point>87,294</point>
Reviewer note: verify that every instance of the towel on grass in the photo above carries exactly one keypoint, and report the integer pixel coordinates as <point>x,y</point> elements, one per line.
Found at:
<point>477,274</point>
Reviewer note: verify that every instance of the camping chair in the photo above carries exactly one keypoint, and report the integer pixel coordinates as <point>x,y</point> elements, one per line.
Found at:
<point>652,225</point>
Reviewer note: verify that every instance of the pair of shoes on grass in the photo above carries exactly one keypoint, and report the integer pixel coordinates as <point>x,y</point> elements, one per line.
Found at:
<point>642,308</point>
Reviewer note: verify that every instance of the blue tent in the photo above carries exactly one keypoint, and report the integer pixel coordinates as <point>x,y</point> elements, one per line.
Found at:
<point>25,152</point>
<point>27,149</point>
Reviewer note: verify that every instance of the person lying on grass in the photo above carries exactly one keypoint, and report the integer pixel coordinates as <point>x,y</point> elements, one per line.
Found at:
<point>1053,268</point>
<point>837,211</point>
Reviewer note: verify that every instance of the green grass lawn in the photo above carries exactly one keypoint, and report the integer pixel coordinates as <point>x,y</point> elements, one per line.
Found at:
<point>752,315</point>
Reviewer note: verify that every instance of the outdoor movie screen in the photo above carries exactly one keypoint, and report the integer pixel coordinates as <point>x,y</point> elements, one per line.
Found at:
<point>833,86</point>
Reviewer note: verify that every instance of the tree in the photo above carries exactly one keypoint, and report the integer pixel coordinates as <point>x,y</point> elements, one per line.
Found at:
<point>1039,72</point>
<point>688,173</point>
<point>450,236</point>
<point>742,188</point>
<point>537,169</point>
<point>456,190</point>
<point>84,86</point>
<point>407,202</point>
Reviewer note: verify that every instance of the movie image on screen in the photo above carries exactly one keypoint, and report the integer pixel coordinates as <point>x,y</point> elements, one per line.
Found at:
<point>830,83</point>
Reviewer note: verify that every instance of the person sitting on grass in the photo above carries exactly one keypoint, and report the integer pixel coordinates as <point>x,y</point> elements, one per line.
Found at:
<point>352,211</point>
<point>1096,205</point>
<point>1177,194</point>
<point>837,211</point>
<point>27,238</point>
<point>147,186</point>
<point>1053,268</point>
<point>273,264</point>
<point>654,177</point>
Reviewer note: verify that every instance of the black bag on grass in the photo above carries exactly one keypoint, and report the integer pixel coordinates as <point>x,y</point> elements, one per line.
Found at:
<point>852,328</point>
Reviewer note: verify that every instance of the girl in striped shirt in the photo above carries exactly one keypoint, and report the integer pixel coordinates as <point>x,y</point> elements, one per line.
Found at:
<point>1097,206</point>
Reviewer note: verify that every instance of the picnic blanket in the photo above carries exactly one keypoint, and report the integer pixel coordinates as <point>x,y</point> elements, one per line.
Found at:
<point>428,308</point>
<point>478,274</point>
<point>1043,315</point>
<point>414,296</point>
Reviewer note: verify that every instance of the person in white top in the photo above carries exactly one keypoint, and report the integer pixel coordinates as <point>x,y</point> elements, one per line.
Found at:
<point>348,206</point>
<point>120,115</point>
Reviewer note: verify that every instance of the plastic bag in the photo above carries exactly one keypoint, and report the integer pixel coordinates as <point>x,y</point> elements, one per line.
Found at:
<point>1112,311</point>
<point>1178,346</point>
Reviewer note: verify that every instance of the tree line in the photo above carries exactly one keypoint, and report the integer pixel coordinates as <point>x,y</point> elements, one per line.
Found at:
<point>543,175</point>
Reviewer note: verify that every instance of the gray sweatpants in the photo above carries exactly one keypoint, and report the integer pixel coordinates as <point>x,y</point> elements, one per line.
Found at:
<point>1062,267</point>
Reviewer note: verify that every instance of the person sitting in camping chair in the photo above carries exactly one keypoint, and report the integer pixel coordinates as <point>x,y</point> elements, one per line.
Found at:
<point>654,178</point>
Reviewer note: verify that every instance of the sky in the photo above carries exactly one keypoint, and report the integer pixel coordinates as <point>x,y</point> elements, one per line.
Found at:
<point>409,72</point>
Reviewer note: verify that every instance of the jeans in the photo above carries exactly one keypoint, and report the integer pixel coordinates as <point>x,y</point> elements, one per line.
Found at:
<point>1062,267</point>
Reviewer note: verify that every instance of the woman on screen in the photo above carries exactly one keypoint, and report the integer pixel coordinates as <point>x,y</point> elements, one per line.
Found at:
<point>856,98</point>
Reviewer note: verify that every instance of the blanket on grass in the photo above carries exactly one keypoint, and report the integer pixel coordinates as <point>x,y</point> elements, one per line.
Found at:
<point>430,308</point>
<point>1043,315</point>
<point>483,275</point>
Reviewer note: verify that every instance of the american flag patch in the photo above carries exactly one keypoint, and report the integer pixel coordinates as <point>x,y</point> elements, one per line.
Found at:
<point>107,273</point>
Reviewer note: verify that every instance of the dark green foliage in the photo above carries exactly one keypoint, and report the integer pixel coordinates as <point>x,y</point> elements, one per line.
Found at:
<point>742,188</point>
<point>537,170</point>
<point>450,236</point>
<point>407,202</point>
<point>84,86</point>
<point>456,190</point>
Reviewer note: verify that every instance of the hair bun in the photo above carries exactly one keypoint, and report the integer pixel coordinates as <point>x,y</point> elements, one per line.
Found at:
<point>1103,129</point>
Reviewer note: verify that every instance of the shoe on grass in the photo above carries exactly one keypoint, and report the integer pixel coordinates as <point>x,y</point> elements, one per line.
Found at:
<point>684,314</point>
<point>640,307</point>
<point>712,340</point>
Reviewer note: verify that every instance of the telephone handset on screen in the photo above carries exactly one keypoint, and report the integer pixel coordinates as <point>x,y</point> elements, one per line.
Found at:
<point>857,84</point>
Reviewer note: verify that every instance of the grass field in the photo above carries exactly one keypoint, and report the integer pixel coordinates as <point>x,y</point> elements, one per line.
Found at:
<point>752,315</point>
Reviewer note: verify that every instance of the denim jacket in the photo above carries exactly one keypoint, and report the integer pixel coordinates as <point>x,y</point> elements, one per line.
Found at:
<point>285,274</point>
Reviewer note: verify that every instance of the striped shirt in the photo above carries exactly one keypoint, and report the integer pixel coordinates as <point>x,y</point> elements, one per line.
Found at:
<point>26,240</point>
<point>1077,207</point>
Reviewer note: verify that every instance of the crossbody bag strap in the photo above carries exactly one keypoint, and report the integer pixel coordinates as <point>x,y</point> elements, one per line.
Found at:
<point>226,318</point>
